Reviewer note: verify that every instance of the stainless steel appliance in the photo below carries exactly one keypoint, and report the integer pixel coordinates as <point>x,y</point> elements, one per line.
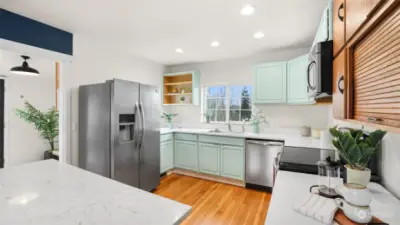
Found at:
<point>119,135</point>
<point>260,156</point>
<point>319,73</point>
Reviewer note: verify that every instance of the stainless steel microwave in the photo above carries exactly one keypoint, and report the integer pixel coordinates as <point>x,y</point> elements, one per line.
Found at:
<point>319,71</point>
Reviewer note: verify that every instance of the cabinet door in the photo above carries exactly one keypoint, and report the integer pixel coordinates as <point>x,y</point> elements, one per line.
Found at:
<point>338,25</point>
<point>209,158</point>
<point>270,83</point>
<point>371,4</point>
<point>232,162</point>
<point>339,86</point>
<point>356,13</point>
<point>297,86</point>
<point>324,32</point>
<point>166,156</point>
<point>185,155</point>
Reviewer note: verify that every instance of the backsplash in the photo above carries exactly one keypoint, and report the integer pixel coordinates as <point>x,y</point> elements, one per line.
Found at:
<point>282,118</point>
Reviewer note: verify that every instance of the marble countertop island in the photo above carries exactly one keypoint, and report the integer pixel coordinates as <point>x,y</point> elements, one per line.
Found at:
<point>291,140</point>
<point>49,193</point>
<point>290,188</point>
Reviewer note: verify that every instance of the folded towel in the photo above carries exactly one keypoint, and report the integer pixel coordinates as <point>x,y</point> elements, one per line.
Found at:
<point>320,208</point>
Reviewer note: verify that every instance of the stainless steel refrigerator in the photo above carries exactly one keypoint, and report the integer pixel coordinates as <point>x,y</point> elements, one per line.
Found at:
<point>119,135</point>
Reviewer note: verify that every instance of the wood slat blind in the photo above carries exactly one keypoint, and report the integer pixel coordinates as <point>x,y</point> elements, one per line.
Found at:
<point>376,74</point>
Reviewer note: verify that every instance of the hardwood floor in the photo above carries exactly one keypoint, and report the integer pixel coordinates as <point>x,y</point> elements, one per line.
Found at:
<point>215,203</point>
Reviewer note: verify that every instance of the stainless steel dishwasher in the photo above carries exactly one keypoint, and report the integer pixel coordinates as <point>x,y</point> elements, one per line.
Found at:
<point>260,155</point>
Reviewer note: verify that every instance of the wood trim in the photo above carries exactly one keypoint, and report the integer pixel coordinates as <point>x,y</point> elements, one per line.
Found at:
<point>57,82</point>
<point>209,177</point>
<point>377,126</point>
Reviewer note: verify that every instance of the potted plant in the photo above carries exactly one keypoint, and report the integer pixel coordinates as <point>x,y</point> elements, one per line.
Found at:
<point>356,148</point>
<point>182,98</point>
<point>169,117</point>
<point>207,116</point>
<point>45,122</point>
<point>257,117</point>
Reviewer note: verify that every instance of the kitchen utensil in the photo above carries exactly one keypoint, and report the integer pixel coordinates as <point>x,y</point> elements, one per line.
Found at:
<point>315,133</point>
<point>328,178</point>
<point>355,194</point>
<point>359,214</point>
<point>305,131</point>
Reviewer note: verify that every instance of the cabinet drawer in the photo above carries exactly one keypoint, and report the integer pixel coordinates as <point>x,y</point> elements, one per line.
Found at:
<point>165,137</point>
<point>185,137</point>
<point>221,140</point>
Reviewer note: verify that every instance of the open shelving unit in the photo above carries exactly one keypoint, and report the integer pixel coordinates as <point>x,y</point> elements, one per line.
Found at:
<point>181,88</point>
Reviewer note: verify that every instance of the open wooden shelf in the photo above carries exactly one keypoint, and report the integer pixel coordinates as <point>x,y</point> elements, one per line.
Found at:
<point>177,94</point>
<point>174,85</point>
<point>178,83</point>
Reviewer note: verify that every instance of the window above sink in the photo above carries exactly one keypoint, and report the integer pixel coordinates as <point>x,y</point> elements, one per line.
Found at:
<point>227,103</point>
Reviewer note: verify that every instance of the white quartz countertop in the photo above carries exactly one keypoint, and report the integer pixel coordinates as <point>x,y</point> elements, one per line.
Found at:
<point>289,139</point>
<point>49,193</point>
<point>292,187</point>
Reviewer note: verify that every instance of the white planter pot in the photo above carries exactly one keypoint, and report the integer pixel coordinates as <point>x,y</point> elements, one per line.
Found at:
<point>358,176</point>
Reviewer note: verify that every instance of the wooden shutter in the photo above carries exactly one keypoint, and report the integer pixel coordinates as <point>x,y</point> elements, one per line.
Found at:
<point>376,74</point>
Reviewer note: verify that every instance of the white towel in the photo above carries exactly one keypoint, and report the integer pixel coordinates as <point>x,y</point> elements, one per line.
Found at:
<point>320,208</point>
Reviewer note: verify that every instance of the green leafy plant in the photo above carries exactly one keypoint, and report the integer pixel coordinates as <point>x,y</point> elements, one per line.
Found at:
<point>355,147</point>
<point>45,122</point>
<point>257,117</point>
<point>169,116</point>
<point>207,116</point>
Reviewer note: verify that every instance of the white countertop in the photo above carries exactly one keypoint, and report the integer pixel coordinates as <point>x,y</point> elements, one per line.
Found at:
<point>293,187</point>
<point>289,139</point>
<point>49,193</point>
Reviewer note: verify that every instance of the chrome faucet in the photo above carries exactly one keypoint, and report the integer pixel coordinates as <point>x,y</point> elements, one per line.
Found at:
<point>229,126</point>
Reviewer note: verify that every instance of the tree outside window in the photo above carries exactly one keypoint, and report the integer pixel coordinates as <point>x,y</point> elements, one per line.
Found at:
<point>228,103</point>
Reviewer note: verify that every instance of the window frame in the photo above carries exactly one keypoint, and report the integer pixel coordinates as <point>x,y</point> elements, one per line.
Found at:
<point>228,98</point>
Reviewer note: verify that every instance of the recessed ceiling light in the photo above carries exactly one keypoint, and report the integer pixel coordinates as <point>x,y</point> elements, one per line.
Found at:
<point>258,35</point>
<point>247,10</point>
<point>215,44</point>
<point>179,50</point>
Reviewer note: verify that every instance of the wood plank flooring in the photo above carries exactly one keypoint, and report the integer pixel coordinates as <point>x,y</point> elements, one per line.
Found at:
<point>215,203</point>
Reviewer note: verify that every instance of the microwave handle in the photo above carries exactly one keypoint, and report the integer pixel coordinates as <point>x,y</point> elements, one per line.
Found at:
<point>308,75</point>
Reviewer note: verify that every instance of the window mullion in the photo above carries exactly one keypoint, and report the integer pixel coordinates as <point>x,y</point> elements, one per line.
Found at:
<point>228,108</point>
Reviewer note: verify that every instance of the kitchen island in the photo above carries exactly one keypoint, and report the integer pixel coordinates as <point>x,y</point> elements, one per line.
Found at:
<point>290,188</point>
<point>49,192</point>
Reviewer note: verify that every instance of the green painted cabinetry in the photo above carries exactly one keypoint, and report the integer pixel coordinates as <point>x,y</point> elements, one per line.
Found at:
<point>166,156</point>
<point>325,28</point>
<point>209,158</point>
<point>270,83</point>
<point>186,155</point>
<point>297,87</point>
<point>232,162</point>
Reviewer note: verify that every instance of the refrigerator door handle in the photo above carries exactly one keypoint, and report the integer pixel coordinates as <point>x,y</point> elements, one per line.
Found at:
<point>135,134</point>
<point>143,125</point>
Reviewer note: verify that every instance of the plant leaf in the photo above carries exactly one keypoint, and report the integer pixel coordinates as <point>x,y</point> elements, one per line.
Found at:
<point>334,131</point>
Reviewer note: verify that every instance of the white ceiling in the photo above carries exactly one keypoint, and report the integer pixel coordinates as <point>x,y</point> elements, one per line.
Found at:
<point>154,28</point>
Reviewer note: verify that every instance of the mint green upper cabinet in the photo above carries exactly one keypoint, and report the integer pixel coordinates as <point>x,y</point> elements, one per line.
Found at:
<point>270,83</point>
<point>232,162</point>
<point>209,158</point>
<point>325,28</point>
<point>297,81</point>
<point>166,156</point>
<point>185,155</point>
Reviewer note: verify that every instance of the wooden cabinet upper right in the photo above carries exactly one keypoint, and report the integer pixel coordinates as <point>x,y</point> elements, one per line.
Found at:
<point>338,25</point>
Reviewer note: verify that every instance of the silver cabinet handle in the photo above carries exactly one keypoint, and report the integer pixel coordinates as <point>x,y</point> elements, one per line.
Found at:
<point>143,124</point>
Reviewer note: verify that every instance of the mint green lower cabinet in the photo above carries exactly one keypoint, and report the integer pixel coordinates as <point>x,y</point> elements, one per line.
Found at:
<point>209,158</point>
<point>232,162</point>
<point>166,156</point>
<point>185,155</point>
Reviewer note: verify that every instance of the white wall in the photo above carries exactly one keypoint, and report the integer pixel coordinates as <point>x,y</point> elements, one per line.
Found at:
<point>239,71</point>
<point>22,141</point>
<point>96,61</point>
